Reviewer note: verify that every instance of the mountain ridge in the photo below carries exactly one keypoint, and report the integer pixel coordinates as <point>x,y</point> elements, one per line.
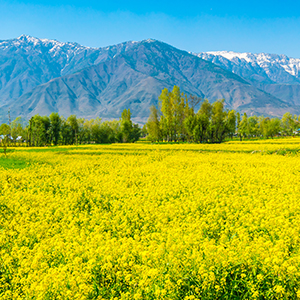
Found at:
<point>276,74</point>
<point>42,76</point>
<point>49,59</point>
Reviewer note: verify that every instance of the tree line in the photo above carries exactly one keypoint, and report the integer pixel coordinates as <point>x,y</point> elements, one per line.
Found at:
<point>56,130</point>
<point>175,119</point>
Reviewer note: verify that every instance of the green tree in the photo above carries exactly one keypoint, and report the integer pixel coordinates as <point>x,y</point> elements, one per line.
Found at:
<point>66,133</point>
<point>152,125</point>
<point>243,129</point>
<point>130,133</point>
<point>135,133</point>
<point>178,105</point>
<point>238,122</point>
<point>96,131</point>
<point>115,125</point>
<point>17,129</point>
<point>264,126</point>
<point>73,123</point>
<point>218,126</point>
<point>126,125</point>
<point>295,124</point>
<point>202,130</point>
<point>253,128</point>
<point>274,127</point>
<point>190,124</point>
<point>38,130</point>
<point>167,124</point>
<point>230,122</point>
<point>55,127</point>
<point>5,133</point>
<point>5,129</point>
<point>287,123</point>
<point>198,126</point>
<point>175,110</point>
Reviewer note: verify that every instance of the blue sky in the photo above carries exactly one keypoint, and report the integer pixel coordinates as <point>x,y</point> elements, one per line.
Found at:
<point>242,26</point>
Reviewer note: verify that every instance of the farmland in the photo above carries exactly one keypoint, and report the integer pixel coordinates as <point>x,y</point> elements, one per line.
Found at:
<point>143,221</point>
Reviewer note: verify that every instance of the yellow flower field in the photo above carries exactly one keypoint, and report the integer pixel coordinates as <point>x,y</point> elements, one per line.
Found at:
<point>142,221</point>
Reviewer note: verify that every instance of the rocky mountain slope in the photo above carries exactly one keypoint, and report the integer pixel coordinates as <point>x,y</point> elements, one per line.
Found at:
<point>42,76</point>
<point>26,62</point>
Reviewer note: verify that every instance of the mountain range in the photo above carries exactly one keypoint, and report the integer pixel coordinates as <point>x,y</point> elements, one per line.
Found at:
<point>278,75</point>
<point>42,76</point>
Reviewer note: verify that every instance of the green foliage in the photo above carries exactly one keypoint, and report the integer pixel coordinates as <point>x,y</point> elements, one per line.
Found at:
<point>174,110</point>
<point>39,130</point>
<point>56,130</point>
<point>129,132</point>
<point>55,125</point>
<point>152,125</point>
<point>176,120</point>
<point>4,129</point>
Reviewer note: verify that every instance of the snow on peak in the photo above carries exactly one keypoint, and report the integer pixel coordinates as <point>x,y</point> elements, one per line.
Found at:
<point>230,55</point>
<point>28,38</point>
<point>150,41</point>
<point>263,60</point>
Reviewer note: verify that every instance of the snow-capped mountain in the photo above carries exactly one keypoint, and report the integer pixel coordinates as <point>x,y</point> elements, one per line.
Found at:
<point>26,43</point>
<point>278,75</point>
<point>276,67</point>
<point>26,62</point>
<point>42,76</point>
<point>62,53</point>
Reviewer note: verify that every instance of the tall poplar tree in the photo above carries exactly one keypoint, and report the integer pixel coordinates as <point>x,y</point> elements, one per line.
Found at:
<point>152,125</point>
<point>167,112</point>
<point>55,126</point>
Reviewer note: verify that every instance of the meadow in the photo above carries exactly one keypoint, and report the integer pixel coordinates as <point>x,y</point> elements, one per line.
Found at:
<point>143,221</point>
